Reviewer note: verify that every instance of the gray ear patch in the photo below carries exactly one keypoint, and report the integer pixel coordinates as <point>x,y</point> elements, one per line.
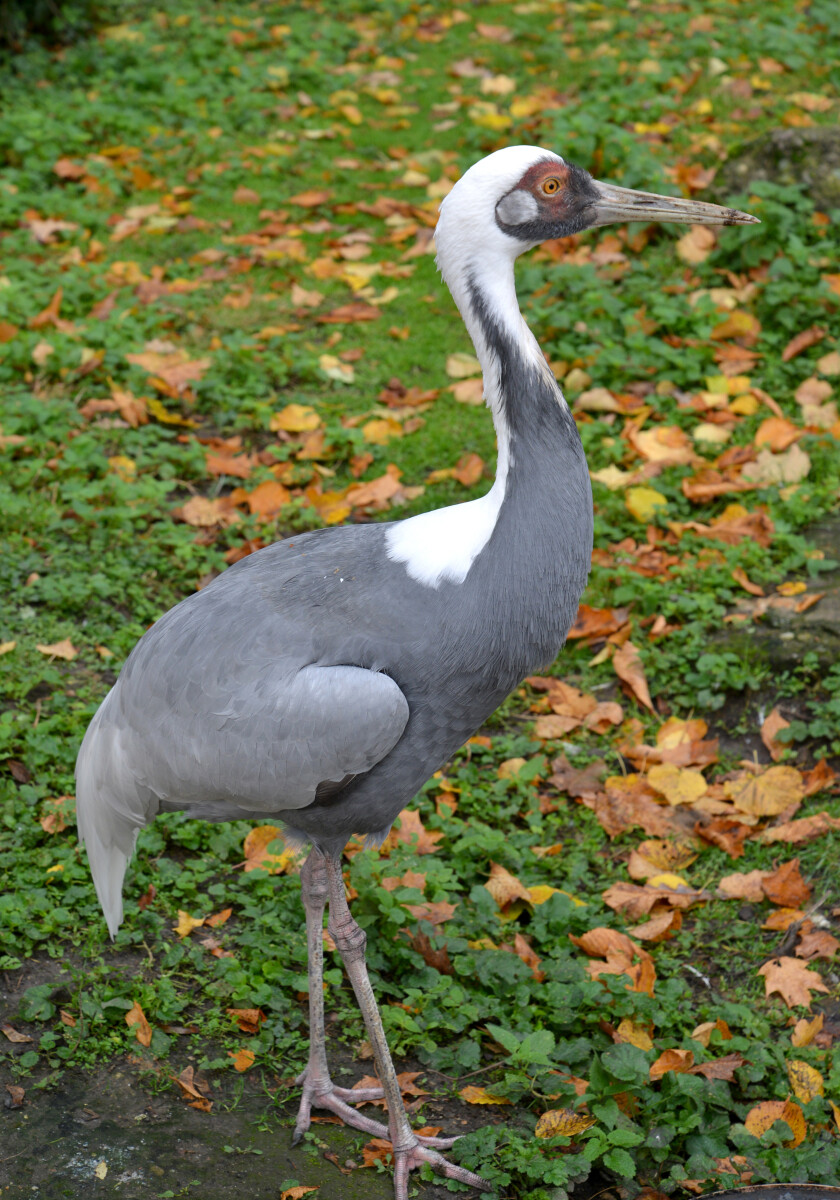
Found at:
<point>516,208</point>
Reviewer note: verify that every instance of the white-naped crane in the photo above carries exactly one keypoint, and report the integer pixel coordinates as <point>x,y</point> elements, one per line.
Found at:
<point>323,679</point>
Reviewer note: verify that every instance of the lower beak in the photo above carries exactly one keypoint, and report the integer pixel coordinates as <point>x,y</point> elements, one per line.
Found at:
<point>615,205</point>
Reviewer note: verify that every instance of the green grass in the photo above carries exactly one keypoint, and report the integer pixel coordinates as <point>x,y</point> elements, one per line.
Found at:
<point>180,107</point>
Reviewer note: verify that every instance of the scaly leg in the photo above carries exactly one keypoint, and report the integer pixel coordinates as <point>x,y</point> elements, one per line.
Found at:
<point>318,1088</point>
<point>409,1150</point>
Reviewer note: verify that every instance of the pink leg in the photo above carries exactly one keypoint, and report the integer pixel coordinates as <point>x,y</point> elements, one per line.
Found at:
<point>409,1150</point>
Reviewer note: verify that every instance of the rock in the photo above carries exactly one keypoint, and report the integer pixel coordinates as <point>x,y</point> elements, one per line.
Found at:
<point>808,158</point>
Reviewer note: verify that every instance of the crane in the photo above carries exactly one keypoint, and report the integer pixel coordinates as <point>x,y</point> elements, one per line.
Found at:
<point>321,681</point>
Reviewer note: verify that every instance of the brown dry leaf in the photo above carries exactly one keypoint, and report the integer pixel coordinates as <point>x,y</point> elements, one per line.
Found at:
<point>743,886</point>
<point>819,778</point>
<point>468,470</point>
<point>248,1019</point>
<point>720,1068</point>
<point>562,1122</point>
<point>659,928</point>
<point>772,726</point>
<point>192,1086</point>
<point>16,1096</point>
<point>703,1033</point>
<point>349,314</point>
<point>667,445</point>
<point>660,854</point>
<point>295,418</point>
<point>802,341</point>
<point>623,957</point>
<point>696,245</point>
<point>376,1150</point>
<point>411,826</point>
<point>596,623</point>
<point>436,912</point>
<point>13,1036</point>
<point>791,466</point>
<point>678,1061</point>
<point>268,498</point>
<point>800,831</point>
<point>627,664</point>
<point>186,924</point>
<point>175,369</point>
<point>786,887</point>
<point>296,1193</point>
<point>817,943</point>
<point>143,1032</point>
<point>311,198</point>
<point>740,576</point>
<point>504,887</point>
<point>792,980</point>
<point>783,918</point>
<point>205,513</point>
<point>255,849</point>
<point>806,1081</point>
<point>528,956</point>
<point>767,794</point>
<point>804,1031</point>
<point>638,901</point>
<point>759,1119</point>
<point>738,324</point>
<point>480,1095</point>
<point>63,649</point>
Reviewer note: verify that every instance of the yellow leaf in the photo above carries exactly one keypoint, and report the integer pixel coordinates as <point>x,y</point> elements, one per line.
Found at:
<point>334,368</point>
<point>805,1031</point>
<point>6,647</point>
<point>380,430</point>
<point>806,1081</point>
<point>62,649</point>
<point>295,1193</point>
<point>510,768</point>
<point>462,366</point>
<point>101,1170</point>
<point>696,245</point>
<point>256,851</point>
<point>562,1122</point>
<point>295,418</point>
<point>480,1095</point>
<point>186,923</point>
<point>668,881</point>
<point>542,892</point>
<point>154,406</point>
<point>642,503</point>
<point>677,784</point>
<point>635,1034</point>
<point>136,1016</point>
<point>123,466</point>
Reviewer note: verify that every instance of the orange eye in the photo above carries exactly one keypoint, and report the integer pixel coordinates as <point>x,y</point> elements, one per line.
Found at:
<point>550,186</point>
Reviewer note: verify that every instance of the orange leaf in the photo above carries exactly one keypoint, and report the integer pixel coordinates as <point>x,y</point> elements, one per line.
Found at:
<point>411,827</point>
<point>801,831</point>
<point>804,1031</point>
<point>504,887</point>
<point>759,1119</point>
<point>679,1061</point>
<point>792,980</point>
<point>242,1059</point>
<point>256,851</point>
<point>63,649</point>
<point>136,1016</point>
<point>802,341</point>
<point>627,664</point>
<point>295,1193</point>
<point>660,927</point>
<point>786,886</point>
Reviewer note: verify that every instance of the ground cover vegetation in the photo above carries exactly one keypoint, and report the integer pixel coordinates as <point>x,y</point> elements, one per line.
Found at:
<point>609,920</point>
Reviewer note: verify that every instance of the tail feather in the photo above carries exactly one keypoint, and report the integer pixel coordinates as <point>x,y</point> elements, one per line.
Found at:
<point>107,828</point>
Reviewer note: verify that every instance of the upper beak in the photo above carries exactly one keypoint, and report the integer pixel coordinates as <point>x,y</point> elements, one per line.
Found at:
<point>615,205</point>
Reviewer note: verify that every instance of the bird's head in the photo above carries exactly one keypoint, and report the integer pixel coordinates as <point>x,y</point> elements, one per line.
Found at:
<point>522,195</point>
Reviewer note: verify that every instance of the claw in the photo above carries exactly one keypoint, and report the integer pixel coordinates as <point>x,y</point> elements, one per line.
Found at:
<point>408,1158</point>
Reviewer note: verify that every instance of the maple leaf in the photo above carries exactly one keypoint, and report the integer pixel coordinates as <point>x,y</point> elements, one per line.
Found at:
<point>792,980</point>
<point>720,1068</point>
<point>743,886</point>
<point>786,886</point>
<point>679,785</point>
<point>504,887</point>
<point>257,855</point>
<point>768,794</point>
<point>678,1061</point>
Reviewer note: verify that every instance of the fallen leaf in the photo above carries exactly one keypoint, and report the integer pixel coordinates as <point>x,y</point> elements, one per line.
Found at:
<point>411,827</point>
<point>13,1036</point>
<point>767,794</point>
<point>792,466</point>
<point>480,1095</point>
<point>801,831</point>
<point>242,1059</point>
<point>504,887</point>
<point>562,1122</point>
<point>679,785</point>
<point>802,341</point>
<point>64,649</point>
<point>743,886</point>
<point>257,856</point>
<point>806,1081</point>
<point>644,502</point>
<point>818,943</point>
<point>720,1068</point>
<point>627,664</point>
<point>659,928</point>
<point>804,1031</point>
<point>703,1033</point>
<point>773,724</point>
<point>760,1118</point>
<point>634,1034</point>
<point>143,1032</point>
<point>295,1193</point>
<point>792,980</point>
<point>462,366</point>
<point>786,886</point>
<point>295,418</point>
<point>678,1061</point>
<point>186,924</point>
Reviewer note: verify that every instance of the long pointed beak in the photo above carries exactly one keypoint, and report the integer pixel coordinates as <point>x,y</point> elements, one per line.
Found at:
<point>616,205</point>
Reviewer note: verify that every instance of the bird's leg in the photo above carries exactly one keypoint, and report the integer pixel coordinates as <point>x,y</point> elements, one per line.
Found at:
<point>318,1088</point>
<point>409,1150</point>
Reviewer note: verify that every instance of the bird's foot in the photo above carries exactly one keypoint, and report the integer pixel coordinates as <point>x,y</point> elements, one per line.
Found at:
<point>408,1158</point>
<point>338,1100</point>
